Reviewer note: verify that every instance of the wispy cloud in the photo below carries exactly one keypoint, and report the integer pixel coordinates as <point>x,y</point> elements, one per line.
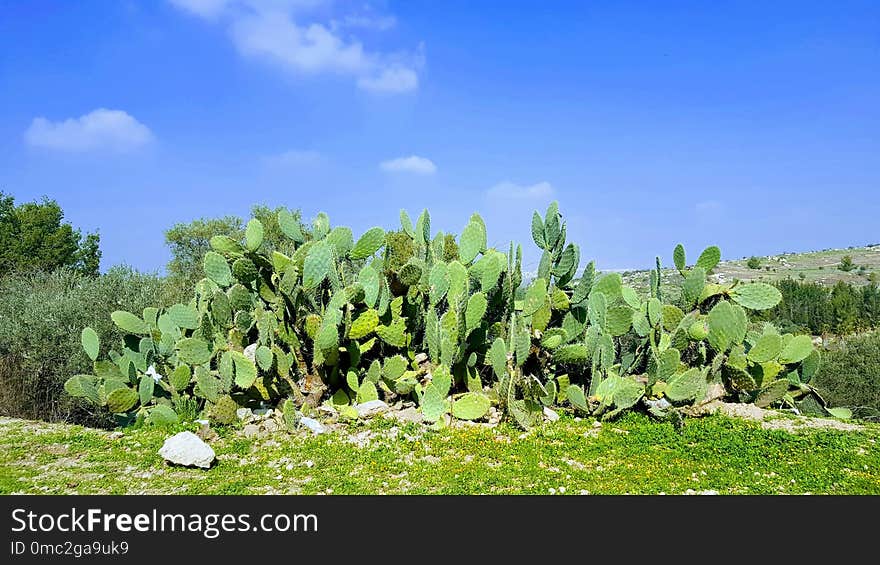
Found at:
<point>100,129</point>
<point>294,158</point>
<point>513,191</point>
<point>708,206</point>
<point>277,31</point>
<point>412,164</point>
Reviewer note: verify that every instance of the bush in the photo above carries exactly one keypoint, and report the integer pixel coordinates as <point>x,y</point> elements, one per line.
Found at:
<point>753,263</point>
<point>850,374</point>
<point>41,317</point>
<point>841,309</point>
<point>846,264</point>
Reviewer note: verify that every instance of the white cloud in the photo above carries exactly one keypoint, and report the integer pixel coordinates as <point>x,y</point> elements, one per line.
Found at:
<point>274,31</point>
<point>708,206</point>
<point>99,129</point>
<point>391,80</point>
<point>510,190</point>
<point>203,8</point>
<point>412,164</point>
<point>294,158</point>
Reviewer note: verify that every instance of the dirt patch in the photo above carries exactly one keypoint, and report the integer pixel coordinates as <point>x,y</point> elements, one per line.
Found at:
<point>775,420</point>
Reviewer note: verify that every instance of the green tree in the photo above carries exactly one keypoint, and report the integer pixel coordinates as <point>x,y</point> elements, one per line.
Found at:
<point>753,263</point>
<point>34,236</point>
<point>846,264</point>
<point>190,241</point>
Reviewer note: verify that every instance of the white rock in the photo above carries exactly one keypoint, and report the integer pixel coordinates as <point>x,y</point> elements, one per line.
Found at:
<point>550,415</point>
<point>187,449</point>
<point>312,424</point>
<point>251,352</point>
<point>371,408</point>
<point>243,413</point>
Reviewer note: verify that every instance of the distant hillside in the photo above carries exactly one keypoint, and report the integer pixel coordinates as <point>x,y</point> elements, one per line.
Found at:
<point>815,266</point>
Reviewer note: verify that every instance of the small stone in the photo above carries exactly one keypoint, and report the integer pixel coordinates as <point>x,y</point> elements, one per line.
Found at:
<point>251,430</point>
<point>244,413</point>
<point>407,415</point>
<point>315,426</point>
<point>262,412</point>
<point>251,352</point>
<point>550,415</point>
<point>270,426</point>
<point>421,358</point>
<point>188,450</point>
<point>597,424</point>
<point>371,408</point>
<point>116,435</point>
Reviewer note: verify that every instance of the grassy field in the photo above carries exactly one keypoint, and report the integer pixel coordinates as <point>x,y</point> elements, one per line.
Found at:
<point>633,455</point>
<point>817,266</point>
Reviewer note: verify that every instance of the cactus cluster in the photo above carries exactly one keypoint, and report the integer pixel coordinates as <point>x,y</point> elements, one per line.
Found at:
<point>445,321</point>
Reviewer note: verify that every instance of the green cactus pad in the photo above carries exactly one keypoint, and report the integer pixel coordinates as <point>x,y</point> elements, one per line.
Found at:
<point>685,386</point>
<point>692,287</point>
<point>83,386</point>
<point>208,385</point>
<point>438,282</point>
<point>244,270</point>
<point>128,322</point>
<point>240,298</point>
<point>364,324</point>
<point>264,357</point>
<point>183,316</point>
<point>538,231</point>
<point>226,245</point>
<point>458,283</point>
<point>433,404</point>
<point>536,296</point>
<point>574,354</point>
<point>576,398</point>
<point>253,234</point>
<point>121,400</point>
<point>394,367</point>
<point>611,285</point>
<point>618,320</point>
<point>553,338</point>
<point>585,284</point>
<point>410,274</point>
<point>766,348</point>
<point>245,370</point>
<point>756,296</point>
<point>180,378</point>
<point>370,242</point>
<point>217,269</point>
<point>162,415</point>
<point>146,385</point>
<point>91,344</point>
<point>369,279</point>
<point>328,336</point>
<point>796,350</point>
<point>497,356</point>
<point>317,264</point>
<point>476,309</point>
<point>223,410</point>
<point>341,239</point>
<point>679,258</point>
<point>367,392</point>
<point>290,226</point>
<point>473,239</point>
<point>193,350</point>
<point>471,406</point>
<point>709,258</point>
<point>393,334</point>
<point>771,393</point>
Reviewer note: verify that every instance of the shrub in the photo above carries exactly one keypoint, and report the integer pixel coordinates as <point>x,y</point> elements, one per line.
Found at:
<point>850,373</point>
<point>753,263</point>
<point>41,317</point>
<point>846,264</point>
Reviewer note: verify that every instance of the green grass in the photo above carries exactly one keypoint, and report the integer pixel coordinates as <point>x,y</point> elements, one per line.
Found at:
<point>634,455</point>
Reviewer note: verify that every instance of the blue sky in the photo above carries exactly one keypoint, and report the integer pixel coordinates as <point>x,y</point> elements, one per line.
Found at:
<point>751,125</point>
